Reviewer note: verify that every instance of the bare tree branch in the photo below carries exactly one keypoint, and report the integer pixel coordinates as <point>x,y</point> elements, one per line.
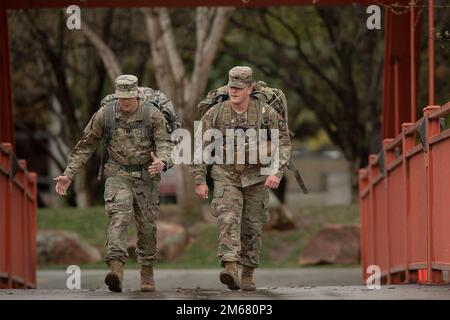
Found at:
<point>202,21</point>
<point>205,55</point>
<point>177,66</point>
<point>108,57</point>
<point>163,72</point>
<point>57,65</point>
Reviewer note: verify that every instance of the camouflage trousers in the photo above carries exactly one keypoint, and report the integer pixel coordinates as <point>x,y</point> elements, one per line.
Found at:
<point>127,197</point>
<point>241,212</point>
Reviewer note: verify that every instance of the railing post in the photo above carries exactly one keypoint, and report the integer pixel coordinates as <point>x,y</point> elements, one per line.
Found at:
<point>408,142</point>
<point>33,225</point>
<point>371,221</point>
<point>7,247</point>
<point>389,156</point>
<point>363,184</point>
<point>22,178</point>
<point>432,129</point>
<point>374,172</point>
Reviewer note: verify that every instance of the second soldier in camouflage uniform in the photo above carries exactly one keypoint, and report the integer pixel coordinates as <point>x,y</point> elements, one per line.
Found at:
<point>130,190</point>
<point>241,196</point>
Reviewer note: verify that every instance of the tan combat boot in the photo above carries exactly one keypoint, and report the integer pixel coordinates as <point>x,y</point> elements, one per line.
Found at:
<point>147,282</point>
<point>114,278</point>
<point>247,279</point>
<point>229,276</point>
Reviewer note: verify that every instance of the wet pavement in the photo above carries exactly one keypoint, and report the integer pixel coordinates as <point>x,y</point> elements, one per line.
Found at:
<point>272,284</point>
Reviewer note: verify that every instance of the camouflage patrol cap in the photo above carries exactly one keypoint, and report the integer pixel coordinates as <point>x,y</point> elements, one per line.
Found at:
<point>126,86</point>
<point>240,77</point>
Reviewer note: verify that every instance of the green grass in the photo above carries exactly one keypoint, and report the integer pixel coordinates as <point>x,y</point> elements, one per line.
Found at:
<point>280,249</point>
<point>90,223</point>
<point>202,249</point>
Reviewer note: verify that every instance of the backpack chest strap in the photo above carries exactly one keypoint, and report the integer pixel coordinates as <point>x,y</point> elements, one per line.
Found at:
<point>132,125</point>
<point>225,115</point>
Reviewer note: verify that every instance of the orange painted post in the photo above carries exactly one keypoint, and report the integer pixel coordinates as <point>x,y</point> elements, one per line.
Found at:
<point>431,51</point>
<point>412,46</point>
<point>396,98</point>
<point>378,219</point>
<point>408,141</point>
<point>389,157</point>
<point>433,276</point>
<point>32,228</point>
<point>6,118</point>
<point>371,218</point>
<point>7,218</point>
<point>440,157</point>
<point>396,221</point>
<point>363,199</point>
<point>5,165</point>
<point>21,268</point>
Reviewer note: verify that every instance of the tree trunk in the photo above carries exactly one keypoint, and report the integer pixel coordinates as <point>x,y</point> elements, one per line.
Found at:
<point>187,200</point>
<point>183,89</point>
<point>82,194</point>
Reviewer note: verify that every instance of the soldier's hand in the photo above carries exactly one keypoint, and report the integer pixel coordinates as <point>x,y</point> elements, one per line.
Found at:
<point>62,184</point>
<point>272,182</point>
<point>202,190</point>
<point>157,165</point>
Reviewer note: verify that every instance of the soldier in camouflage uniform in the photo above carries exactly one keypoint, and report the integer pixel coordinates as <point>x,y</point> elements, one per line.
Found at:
<point>241,195</point>
<point>132,177</point>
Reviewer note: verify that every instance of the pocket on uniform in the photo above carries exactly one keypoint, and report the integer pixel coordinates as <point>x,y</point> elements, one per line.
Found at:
<point>153,208</point>
<point>141,138</point>
<point>109,201</point>
<point>109,195</point>
<point>110,169</point>
<point>219,190</point>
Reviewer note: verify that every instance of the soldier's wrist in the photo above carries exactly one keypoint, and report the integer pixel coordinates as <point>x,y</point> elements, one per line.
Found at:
<point>200,181</point>
<point>68,174</point>
<point>279,174</point>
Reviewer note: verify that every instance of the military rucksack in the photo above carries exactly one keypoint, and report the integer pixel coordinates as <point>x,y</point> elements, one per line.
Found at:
<point>149,98</point>
<point>272,96</point>
<point>153,97</point>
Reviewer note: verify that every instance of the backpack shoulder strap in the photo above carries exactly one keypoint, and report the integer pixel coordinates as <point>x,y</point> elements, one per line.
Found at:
<point>110,120</point>
<point>254,113</point>
<point>147,118</point>
<point>108,130</point>
<point>217,113</point>
<point>263,113</point>
<point>222,113</point>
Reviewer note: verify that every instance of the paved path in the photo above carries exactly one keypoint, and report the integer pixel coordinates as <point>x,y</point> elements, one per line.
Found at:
<point>208,278</point>
<point>305,283</point>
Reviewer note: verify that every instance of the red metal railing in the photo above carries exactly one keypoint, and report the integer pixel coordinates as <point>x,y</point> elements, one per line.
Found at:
<point>18,202</point>
<point>405,203</point>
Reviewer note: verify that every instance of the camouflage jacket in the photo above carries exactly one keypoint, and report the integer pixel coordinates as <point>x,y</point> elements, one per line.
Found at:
<point>247,174</point>
<point>127,146</point>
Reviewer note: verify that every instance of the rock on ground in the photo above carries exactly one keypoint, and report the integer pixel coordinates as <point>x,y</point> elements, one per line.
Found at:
<point>64,247</point>
<point>334,244</point>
